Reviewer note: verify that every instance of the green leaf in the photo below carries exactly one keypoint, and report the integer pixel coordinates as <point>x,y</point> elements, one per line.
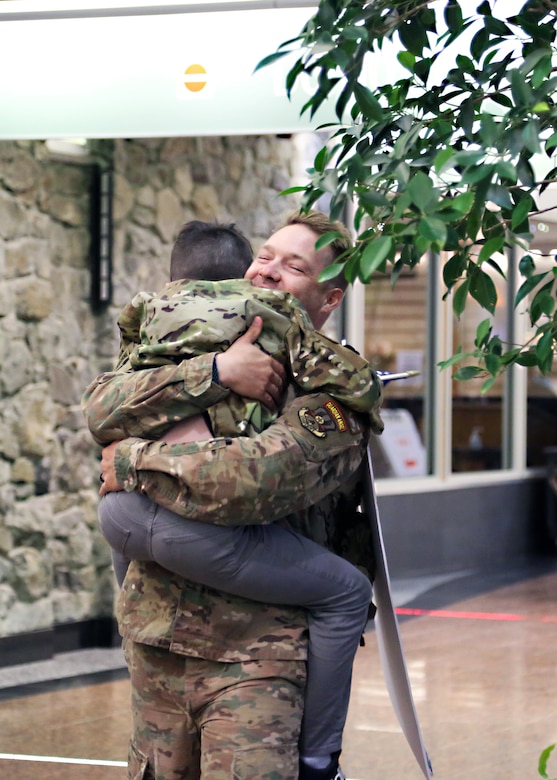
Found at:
<point>372,198</point>
<point>321,159</point>
<point>292,76</point>
<point>492,363</point>
<point>521,92</point>
<point>459,298</point>
<point>343,100</point>
<point>374,254</point>
<point>442,159</point>
<point>544,352</point>
<point>550,177</point>
<point>463,202</point>
<point>544,758</point>
<point>488,129</point>
<point>467,372</point>
<point>331,271</point>
<point>466,117</point>
<point>353,32</point>
<point>543,302</point>
<point>351,268</point>
<point>527,359</point>
<point>527,286</point>
<point>477,174</point>
<point>292,190</point>
<point>488,384</point>
<point>479,44</point>
<point>453,269</point>
<point>491,247</point>
<point>492,263</point>
<point>368,103</point>
<point>434,230</point>
<point>413,36</point>
<point>326,239</point>
<point>421,191</point>
<point>521,212</point>
<point>526,265</point>
<point>500,195</point>
<point>277,55</point>
<point>407,60</point>
<point>453,17</point>
<point>551,143</point>
<point>525,172</point>
<point>531,136</point>
<point>465,64</point>
<point>506,170</point>
<point>502,100</point>
<point>483,290</point>
<point>532,60</point>
<point>483,331</point>
<point>456,358</point>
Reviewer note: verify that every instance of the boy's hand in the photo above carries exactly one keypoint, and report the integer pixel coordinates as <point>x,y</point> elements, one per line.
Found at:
<point>109,483</point>
<point>250,372</point>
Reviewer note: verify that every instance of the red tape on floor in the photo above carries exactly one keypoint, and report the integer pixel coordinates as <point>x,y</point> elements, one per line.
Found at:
<point>450,613</point>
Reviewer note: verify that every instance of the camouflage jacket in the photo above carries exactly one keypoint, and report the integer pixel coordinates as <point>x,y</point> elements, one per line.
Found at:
<point>303,457</point>
<point>191,318</point>
<point>123,403</point>
<point>158,608</point>
<point>314,448</point>
<point>308,463</point>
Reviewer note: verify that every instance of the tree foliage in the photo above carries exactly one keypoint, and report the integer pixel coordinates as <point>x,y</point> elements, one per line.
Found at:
<point>544,759</point>
<point>445,158</point>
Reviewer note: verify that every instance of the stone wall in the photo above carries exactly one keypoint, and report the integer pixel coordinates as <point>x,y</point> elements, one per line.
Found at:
<point>54,567</point>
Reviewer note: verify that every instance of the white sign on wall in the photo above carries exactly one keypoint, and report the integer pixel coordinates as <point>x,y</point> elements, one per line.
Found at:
<point>401,444</point>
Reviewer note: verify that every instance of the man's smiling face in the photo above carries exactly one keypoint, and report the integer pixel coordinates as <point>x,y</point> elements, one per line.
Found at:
<point>288,262</point>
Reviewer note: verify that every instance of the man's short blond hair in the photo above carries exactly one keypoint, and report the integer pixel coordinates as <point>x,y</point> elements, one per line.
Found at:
<point>320,224</point>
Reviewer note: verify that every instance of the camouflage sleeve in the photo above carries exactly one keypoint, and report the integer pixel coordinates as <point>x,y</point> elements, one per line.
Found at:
<point>123,403</point>
<point>312,449</point>
<point>321,365</point>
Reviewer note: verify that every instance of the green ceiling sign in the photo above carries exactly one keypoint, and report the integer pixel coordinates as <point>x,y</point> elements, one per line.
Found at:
<point>167,75</point>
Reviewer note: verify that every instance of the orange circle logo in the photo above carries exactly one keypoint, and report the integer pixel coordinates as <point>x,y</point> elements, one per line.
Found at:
<point>198,81</point>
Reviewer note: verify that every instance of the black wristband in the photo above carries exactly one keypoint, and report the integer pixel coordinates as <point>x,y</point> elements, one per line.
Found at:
<point>215,377</point>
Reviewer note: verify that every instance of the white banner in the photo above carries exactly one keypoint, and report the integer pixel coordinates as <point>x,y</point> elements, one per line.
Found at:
<point>388,636</point>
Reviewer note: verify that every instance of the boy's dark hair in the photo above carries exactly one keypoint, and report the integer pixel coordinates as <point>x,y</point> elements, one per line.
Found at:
<point>210,251</point>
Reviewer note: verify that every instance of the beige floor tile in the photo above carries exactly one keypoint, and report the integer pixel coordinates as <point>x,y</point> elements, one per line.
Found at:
<point>485,691</point>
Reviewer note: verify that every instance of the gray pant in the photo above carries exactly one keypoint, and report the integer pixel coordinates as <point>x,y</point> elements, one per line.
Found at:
<point>265,563</point>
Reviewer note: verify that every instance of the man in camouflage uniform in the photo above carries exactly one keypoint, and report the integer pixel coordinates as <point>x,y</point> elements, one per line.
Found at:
<point>225,668</point>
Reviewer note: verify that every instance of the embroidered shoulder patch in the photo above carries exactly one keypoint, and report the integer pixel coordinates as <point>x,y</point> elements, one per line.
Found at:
<point>323,419</point>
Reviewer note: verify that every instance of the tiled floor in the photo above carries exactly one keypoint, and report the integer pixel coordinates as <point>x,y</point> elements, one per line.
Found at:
<point>481,658</point>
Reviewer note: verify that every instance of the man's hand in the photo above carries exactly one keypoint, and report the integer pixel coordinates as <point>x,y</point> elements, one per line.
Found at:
<point>250,372</point>
<point>109,483</point>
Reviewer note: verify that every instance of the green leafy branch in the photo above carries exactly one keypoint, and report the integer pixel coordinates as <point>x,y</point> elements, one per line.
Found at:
<point>544,758</point>
<point>444,159</point>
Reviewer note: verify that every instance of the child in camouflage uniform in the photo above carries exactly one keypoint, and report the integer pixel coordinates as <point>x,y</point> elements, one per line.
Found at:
<point>189,318</point>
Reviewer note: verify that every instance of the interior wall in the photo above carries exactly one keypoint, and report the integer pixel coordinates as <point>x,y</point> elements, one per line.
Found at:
<point>55,569</point>
<point>470,528</point>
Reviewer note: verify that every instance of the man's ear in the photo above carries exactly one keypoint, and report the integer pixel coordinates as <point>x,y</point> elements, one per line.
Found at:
<point>333,299</point>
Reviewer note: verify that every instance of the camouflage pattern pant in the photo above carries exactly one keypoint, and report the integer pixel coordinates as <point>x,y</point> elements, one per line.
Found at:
<point>195,719</point>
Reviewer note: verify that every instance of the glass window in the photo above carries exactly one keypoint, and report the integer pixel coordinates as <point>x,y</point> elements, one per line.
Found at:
<point>541,418</point>
<point>479,430</point>
<point>477,418</point>
<point>395,339</point>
